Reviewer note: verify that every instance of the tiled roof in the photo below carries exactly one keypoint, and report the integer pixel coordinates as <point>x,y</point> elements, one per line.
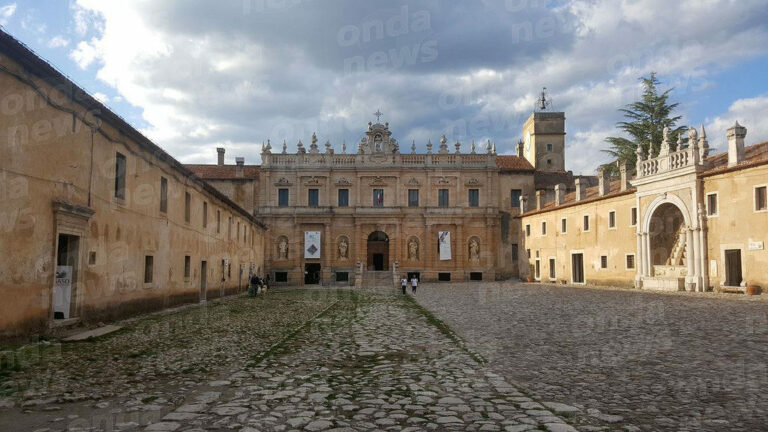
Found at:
<point>548,180</point>
<point>224,172</point>
<point>756,154</point>
<point>592,194</point>
<point>513,163</point>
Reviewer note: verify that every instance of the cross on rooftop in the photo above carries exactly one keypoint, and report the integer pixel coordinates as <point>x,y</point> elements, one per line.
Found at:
<point>378,115</point>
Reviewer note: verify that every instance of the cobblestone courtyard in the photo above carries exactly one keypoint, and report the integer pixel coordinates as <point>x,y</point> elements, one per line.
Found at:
<point>294,360</point>
<point>629,360</point>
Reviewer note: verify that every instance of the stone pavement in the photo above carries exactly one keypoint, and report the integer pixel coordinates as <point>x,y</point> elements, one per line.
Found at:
<point>628,360</point>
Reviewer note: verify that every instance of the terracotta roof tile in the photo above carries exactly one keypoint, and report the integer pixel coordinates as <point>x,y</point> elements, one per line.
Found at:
<point>224,172</point>
<point>755,154</point>
<point>513,163</point>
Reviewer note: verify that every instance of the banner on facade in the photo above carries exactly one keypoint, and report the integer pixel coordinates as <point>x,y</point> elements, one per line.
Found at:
<point>311,244</point>
<point>445,245</point>
<point>62,291</point>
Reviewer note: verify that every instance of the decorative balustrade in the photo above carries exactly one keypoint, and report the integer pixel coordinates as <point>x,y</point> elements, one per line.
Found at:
<point>367,160</point>
<point>674,161</point>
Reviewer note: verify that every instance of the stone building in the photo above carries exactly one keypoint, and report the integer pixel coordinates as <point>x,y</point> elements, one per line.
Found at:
<point>97,221</point>
<point>686,221</point>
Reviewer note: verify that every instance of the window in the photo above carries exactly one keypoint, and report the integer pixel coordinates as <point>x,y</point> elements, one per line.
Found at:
<point>313,197</point>
<point>474,197</point>
<point>712,204</point>
<point>543,228</point>
<point>343,197</point>
<point>442,197</point>
<point>475,276</point>
<point>444,277</point>
<point>378,197</point>
<point>630,262</point>
<point>760,198</point>
<point>603,261</point>
<point>514,253</point>
<point>537,274</point>
<point>187,206</point>
<point>218,221</point>
<point>229,227</point>
<point>564,225</point>
<point>633,216</point>
<point>528,253</point>
<point>514,198</point>
<point>413,197</point>
<point>611,219</point>
<point>163,195</point>
<point>549,147</point>
<point>552,275</point>
<point>549,162</point>
<point>187,266</point>
<point>282,197</point>
<point>92,258</point>
<point>342,276</point>
<point>148,271</point>
<point>205,214</point>
<point>120,176</point>
<point>237,236</point>
<point>586,222</point>
<point>281,276</point>
<point>528,230</point>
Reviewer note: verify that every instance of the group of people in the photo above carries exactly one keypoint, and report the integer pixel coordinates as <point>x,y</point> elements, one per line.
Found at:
<point>257,285</point>
<point>404,284</point>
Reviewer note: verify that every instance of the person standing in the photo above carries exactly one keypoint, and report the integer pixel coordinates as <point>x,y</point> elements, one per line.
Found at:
<point>414,284</point>
<point>404,284</point>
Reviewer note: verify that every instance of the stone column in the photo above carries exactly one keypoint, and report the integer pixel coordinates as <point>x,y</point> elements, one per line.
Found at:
<point>327,254</point>
<point>460,257</point>
<point>646,255</point>
<point>703,253</point>
<point>689,259</point>
<point>640,261</point>
<point>697,261</point>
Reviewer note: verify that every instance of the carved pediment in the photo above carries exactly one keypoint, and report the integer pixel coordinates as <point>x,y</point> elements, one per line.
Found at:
<point>444,181</point>
<point>313,181</point>
<point>413,182</point>
<point>343,182</point>
<point>379,180</point>
<point>283,182</point>
<point>473,182</point>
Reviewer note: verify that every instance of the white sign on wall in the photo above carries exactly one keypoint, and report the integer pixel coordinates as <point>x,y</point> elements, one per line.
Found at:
<point>311,244</point>
<point>445,245</point>
<point>755,245</point>
<point>62,290</point>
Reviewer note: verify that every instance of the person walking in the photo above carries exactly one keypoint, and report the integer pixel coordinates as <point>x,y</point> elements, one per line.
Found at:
<point>414,284</point>
<point>404,284</point>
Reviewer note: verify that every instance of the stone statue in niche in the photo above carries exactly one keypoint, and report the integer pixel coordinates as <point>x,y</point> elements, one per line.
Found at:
<point>474,250</point>
<point>413,250</point>
<point>343,248</point>
<point>282,248</point>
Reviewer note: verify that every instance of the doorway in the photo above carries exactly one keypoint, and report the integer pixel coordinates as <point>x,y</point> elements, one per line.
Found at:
<point>203,280</point>
<point>378,251</point>
<point>311,274</point>
<point>733,274</point>
<point>577,268</point>
<point>65,283</point>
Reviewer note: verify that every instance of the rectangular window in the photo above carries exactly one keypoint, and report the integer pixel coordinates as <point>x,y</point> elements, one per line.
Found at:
<point>281,276</point>
<point>218,221</point>
<point>514,253</point>
<point>549,147</point>
<point>187,206</point>
<point>148,271</point>
<point>413,197</point>
<point>342,276</point>
<point>586,222</point>
<point>603,261</point>
<point>282,197</point>
<point>442,198</point>
<point>528,253</point>
<point>537,274</point>
<point>120,176</point>
<point>163,195</point>
<point>514,198</point>
<point>343,197</point>
<point>187,266</point>
<point>760,198</point>
<point>444,277</point>
<point>712,204</point>
<point>205,214</point>
<point>474,197</point>
<point>229,227</point>
<point>313,197</point>
<point>630,262</point>
<point>552,275</point>
<point>633,216</point>
<point>543,228</point>
<point>528,230</point>
<point>237,236</point>
<point>564,225</point>
<point>475,276</point>
<point>378,197</point>
<point>612,219</point>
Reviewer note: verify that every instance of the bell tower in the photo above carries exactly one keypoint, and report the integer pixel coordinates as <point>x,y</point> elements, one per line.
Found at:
<point>544,136</point>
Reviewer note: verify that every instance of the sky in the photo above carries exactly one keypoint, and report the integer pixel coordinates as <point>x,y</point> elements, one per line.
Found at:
<point>193,75</point>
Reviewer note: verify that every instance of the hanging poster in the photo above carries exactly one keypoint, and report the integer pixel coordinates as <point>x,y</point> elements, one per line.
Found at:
<point>62,291</point>
<point>445,245</point>
<point>311,244</point>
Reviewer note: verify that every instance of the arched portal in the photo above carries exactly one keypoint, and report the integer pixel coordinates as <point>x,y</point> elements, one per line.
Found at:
<point>378,251</point>
<point>667,232</point>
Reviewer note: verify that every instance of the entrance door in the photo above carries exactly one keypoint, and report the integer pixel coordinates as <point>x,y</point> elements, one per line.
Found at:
<point>203,279</point>
<point>311,274</point>
<point>577,267</point>
<point>378,261</point>
<point>733,267</point>
<point>65,284</point>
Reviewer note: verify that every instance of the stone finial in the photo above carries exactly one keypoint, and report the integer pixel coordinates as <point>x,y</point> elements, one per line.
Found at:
<point>313,147</point>
<point>665,143</point>
<point>443,145</point>
<point>285,147</point>
<point>736,135</point>
<point>624,173</point>
<point>581,189</point>
<point>220,151</point>
<point>703,143</point>
<point>603,182</point>
<point>493,149</point>
<point>559,194</point>
<point>539,200</point>
<point>472,147</point>
<point>344,147</point>
<point>488,146</point>
<point>413,147</point>
<point>300,147</point>
<point>458,147</point>
<point>268,149</point>
<point>328,148</point>
<point>679,141</point>
<point>429,147</point>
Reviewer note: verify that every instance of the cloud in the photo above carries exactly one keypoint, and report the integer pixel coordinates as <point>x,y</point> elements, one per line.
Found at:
<point>6,12</point>
<point>101,97</point>
<point>233,74</point>
<point>749,112</point>
<point>58,41</point>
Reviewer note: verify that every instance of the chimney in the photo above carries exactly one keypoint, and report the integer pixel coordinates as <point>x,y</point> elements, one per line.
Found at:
<point>581,190</point>
<point>603,182</point>
<point>538,199</point>
<point>736,134</point>
<point>624,171</point>
<point>220,150</point>
<point>240,161</point>
<point>520,148</point>
<point>559,194</point>
<point>523,203</point>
